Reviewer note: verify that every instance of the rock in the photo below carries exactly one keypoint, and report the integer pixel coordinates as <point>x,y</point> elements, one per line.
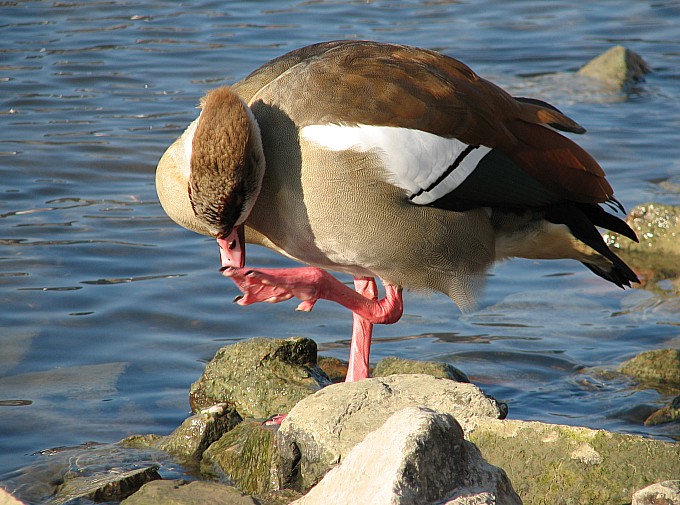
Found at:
<point>662,493</point>
<point>667,414</point>
<point>617,65</point>
<point>550,464</point>
<point>244,456</point>
<point>321,429</point>
<point>102,471</point>
<point>335,368</point>
<point>417,457</point>
<point>657,256</point>
<point>181,492</point>
<point>260,377</point>
<point>659,366</point>
<point>108,486</point>
<point>393,365</point>
<point>8,499</point>
<point>197,432</point>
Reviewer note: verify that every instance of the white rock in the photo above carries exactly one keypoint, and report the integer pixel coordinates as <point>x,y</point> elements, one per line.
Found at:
<point>417,457</point>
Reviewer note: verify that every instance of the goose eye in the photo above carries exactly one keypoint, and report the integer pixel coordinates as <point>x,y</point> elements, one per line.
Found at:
<point>232,244</point>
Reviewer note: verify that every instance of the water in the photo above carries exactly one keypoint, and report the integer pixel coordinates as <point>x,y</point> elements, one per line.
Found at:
<point>109,310</point>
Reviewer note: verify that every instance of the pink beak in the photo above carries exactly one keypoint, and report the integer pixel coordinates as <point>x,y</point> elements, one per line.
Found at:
<point>233,248</point>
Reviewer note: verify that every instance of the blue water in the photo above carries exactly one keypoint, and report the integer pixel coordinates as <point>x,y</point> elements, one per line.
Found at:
<point>109,310</point>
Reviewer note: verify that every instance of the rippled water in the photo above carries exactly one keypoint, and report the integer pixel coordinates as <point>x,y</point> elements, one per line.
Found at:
<point>109,310</point>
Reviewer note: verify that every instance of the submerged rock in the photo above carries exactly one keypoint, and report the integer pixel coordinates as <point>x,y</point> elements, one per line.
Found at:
<point>393,365</point>
<point>417,457</point>
<point>244,456</point>
<point>618,66</point>
<point>667,414</point>
<point>321,429</point>
<point>94,472</point>
<point>104,487</point>
<point>550,464</point>
<point>658,367</point>
<point>260,377</point>
<point>662,493</point>
<point>181,492</point>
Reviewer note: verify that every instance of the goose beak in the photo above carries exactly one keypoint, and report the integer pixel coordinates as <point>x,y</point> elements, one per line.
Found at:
<point>233,248</point>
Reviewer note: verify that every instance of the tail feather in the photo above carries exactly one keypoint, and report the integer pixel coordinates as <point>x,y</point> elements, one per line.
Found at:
<point>581,220</point>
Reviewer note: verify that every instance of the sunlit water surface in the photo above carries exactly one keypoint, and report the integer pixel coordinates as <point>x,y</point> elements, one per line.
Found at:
<point>109,310</point>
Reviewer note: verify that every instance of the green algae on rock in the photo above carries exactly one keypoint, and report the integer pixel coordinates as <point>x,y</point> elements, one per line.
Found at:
<point>393,365</point>
<point>550,464</point>
<point>244,456</point>
<point>182,492</point>
<point>658,367</point>
<point>260,377</point>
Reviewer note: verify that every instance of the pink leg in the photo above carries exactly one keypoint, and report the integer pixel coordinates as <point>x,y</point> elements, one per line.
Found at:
<point>362,331</point>
<point>310,284</point>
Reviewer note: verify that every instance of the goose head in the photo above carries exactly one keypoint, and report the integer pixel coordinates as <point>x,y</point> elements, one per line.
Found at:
<point>209,179</point>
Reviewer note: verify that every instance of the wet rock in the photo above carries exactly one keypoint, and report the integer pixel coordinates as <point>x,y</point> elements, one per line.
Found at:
<point>321,429</point>
<point>244,456</point>
<point>417,457</point>
<point>662,493</point>
<point>393,365</point>
<point>260,377</point>
<point>659,366</point>
<point>197,432</point>
<point>335,368</point>
<point>657,256</point>
<point>618,66</point>
<point>550,464</point>
<point>181,492</point>
<point>108,486</point>
<point>68,474</point>
<point>667,414</point>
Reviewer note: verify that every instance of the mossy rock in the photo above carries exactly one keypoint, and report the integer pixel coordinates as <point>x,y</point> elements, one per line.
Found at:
<point>393,366</point>
<point>244,456</point>
<point>660,366</point>
<point>260,377</point>
<point>657,255</point>
<point>181,492</point>
<point>550,464</point>
<point>197,432</point>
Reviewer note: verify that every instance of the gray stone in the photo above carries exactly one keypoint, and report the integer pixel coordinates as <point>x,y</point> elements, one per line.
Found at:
<point>321,429</point>
<point>617,65</point>
<point>197,432</point>
<point>106,486</point>
<point>417,457</point>
<point>244,456</point>
<point>661,493</point>
<point>181,492</point>
<point>260,377</point>
<point>393,365</point>
<point>550,464</point>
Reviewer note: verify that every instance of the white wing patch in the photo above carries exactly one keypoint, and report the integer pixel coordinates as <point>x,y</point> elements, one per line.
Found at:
<point>183,155</point>
<point>425,165</point>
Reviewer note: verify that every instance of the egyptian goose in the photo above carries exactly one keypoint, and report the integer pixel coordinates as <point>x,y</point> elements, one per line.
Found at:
<point>387,161</point>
